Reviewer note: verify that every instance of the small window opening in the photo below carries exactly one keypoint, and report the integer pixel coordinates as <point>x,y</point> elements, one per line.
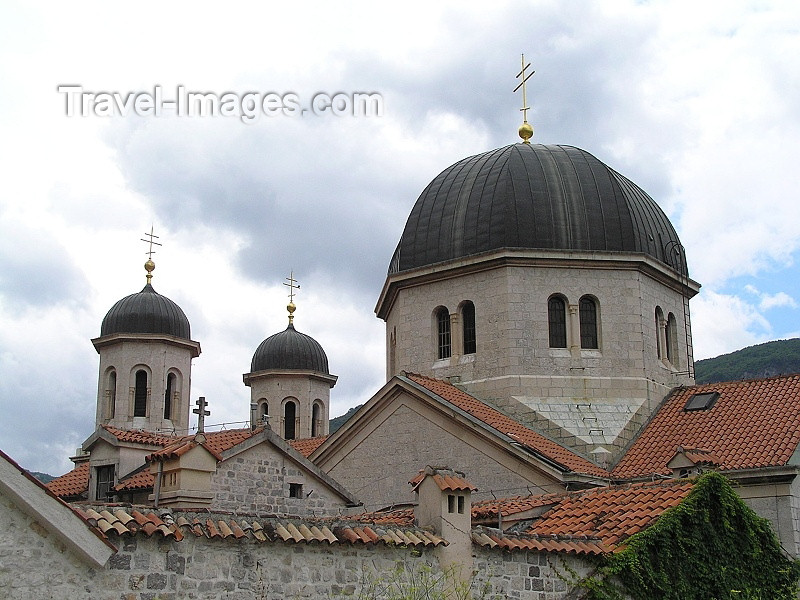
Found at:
<point>140,395</point>
<point>671,339</point>
<point>451,503</point>
<point>112,393</point>
<point>659,326</point>
<point>461,505</point>
<point>264,418</point>
<point>587,312</point>
<point>289,420</point>
<point>557,320</point>
<point>295,490</point>
<point>168,396</point>
<point>105,481</point>
<point>468,320</point>
<point>702,401</point>
<point>443,333</point>
<point>316,422</point>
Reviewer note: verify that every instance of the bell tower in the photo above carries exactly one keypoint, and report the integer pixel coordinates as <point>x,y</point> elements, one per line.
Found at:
<point>289,381</point>
<point>146,354</point>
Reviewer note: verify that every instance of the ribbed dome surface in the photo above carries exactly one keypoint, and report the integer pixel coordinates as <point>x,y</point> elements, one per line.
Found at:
<point>290,350</point>
<point>533,196</point>
<point>146,312</point>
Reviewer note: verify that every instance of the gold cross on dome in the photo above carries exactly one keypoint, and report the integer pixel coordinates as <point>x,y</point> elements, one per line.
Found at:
<point>152,243</point>
<point>525,131</point>
<point>292,285</point>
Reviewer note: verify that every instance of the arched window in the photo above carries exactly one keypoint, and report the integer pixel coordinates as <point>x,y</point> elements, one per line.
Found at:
<point>316,420</point>
<point>263,411</point>
<point>671,340</point>
<point>659,327</point>
<point>587,313</point>
<point>468,327</point>
<point>140,394</point>
<point>112,394</point>
<point>443,346</point>
<point>289,420</point>
<point>557,321</point>
<point>168,393</point>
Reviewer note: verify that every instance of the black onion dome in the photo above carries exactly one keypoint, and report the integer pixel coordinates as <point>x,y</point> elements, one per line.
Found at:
<point>146,312</point>
<point>532,196</point>
<point>290,350</point>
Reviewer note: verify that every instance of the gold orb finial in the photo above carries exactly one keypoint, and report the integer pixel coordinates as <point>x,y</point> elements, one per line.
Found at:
<point>292,285</point>
<point>525,132</point>
<point>149,266</point>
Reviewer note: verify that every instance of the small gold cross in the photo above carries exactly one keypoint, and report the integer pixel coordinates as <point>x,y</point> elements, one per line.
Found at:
<point>292,285</point>
<point>525,131</point>
<point>152,243</point>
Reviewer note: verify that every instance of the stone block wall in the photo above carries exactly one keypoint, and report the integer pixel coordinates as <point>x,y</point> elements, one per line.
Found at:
<point>257,481</point>
<point>777,502</point>
<point>376,469</point>
<point>515,369</point>
<point>512,323</point>
<point>525,575</point>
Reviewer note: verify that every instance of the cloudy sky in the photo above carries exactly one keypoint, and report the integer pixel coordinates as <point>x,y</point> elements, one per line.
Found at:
<point>698,103</point>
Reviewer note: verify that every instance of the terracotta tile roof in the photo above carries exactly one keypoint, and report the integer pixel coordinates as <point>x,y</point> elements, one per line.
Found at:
<point>139,436</point>
<point>71,484</point>
<point>128,521</point>
<point>699,456</point>
<point>403,517</point>
<point>306,446</point>
<point>581,545</point>
<point>752,424</point>
<point>216,442</point>
<point>593,521</point>
<point>489,509</point>
<point>140,479</point>
<point>508,426</point>
<point>445,478</point>
<point>611,514</point>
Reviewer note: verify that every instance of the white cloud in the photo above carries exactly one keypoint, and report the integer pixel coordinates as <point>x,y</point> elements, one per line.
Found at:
<point>697,103</point>
<point>722,323</point>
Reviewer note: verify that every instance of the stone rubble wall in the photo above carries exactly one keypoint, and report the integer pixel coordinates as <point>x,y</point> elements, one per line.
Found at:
<point>33,566</point>
<point>257,482</point>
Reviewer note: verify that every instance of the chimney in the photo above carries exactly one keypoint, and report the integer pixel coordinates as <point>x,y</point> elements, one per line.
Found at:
<point>253,416</point>
<point>444,504</point>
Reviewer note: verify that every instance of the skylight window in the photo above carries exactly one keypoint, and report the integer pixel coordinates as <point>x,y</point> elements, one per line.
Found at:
<point>702,401</point>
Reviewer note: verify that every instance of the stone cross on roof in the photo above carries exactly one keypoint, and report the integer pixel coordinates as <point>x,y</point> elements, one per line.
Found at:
<point>201,413</point>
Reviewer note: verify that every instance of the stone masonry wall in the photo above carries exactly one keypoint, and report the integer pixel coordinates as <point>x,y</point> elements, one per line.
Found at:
<point>155,568</point>
<point>257,480</point>
<point>525,575</point>
<point>378,468</point>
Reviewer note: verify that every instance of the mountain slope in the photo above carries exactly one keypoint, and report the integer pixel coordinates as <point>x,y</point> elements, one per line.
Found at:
<point>780,357</point>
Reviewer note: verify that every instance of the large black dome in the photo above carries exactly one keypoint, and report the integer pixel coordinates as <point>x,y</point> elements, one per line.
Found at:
<point>532,196</point>
<point>290,350</point>
<point>146,312</point>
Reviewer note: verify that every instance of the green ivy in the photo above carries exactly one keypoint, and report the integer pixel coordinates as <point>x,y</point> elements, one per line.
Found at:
<point>711,546</point>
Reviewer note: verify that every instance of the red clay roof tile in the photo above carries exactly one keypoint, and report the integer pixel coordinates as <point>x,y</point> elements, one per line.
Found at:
<point>132,521</point>
<point>71,484</point>
<point>306,446</point>
<point>216,442</point>
<point>753,424</point>
<point>140,436</point>
<point>611,514</point>
<point>138,480</point>
<point>508,426</point>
